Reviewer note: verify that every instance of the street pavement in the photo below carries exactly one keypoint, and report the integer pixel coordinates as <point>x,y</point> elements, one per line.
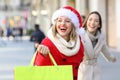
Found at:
<point>19,53</point>
<point>109,70</point>
<point>14,53</point>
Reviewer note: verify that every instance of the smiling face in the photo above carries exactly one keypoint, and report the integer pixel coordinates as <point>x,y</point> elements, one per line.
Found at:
<point>64,27</point>
<point>93,23</point>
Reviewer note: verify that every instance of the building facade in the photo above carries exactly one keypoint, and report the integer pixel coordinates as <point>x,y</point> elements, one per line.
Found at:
<point>40,11</point>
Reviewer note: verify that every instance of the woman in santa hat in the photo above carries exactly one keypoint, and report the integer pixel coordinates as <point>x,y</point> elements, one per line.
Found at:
<point>63,40</point>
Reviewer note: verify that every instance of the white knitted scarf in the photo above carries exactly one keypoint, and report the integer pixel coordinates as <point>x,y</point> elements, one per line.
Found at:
<point>67,48</point>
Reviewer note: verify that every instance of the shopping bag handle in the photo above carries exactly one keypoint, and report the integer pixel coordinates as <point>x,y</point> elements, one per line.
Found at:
<point>33,58</point>
<point>53,60</point>
<point>51,57</point>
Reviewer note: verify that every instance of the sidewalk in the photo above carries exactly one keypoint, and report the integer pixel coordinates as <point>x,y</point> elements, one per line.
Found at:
<point>11,38</point>
<point>15,53</point>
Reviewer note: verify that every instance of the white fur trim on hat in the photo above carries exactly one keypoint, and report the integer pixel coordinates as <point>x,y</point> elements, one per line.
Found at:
<point>67,13</point>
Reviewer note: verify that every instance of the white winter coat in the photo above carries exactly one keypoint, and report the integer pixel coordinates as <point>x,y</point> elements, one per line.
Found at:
<point>88,69</point>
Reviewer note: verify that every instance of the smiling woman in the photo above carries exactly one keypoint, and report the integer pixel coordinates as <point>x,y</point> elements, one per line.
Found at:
<point>62,41</point>
<point>94,43</point>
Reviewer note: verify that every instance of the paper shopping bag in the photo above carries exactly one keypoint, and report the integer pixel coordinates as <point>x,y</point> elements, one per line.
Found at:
<point>63,72</point>
<point>56,72</point>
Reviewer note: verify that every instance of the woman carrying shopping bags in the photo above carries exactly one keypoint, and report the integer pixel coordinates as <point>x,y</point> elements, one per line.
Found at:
<point>94,42</point>
<point>63,40</point>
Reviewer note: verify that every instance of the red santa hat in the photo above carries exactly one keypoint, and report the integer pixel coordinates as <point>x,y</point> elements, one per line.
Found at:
<point>71,13</point>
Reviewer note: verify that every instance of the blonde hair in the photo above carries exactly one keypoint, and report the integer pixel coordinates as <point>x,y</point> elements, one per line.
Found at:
<point>72,34</point>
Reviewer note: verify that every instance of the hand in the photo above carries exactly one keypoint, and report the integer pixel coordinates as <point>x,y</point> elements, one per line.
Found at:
<point>43,49</point>
<point>36,45</point>
<point>114,60</point>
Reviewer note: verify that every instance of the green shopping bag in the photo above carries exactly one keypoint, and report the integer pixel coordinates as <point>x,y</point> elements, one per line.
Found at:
<point>56,72</point>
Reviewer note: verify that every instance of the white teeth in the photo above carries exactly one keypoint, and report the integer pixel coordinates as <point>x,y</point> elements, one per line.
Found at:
<point>62,28</point>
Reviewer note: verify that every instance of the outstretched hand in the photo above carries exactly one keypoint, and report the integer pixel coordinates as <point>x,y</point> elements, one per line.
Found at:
<point>114,60</point>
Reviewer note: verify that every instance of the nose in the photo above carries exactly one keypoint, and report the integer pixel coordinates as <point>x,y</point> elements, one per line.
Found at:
<point>92,22</point>
<point>62,22</point>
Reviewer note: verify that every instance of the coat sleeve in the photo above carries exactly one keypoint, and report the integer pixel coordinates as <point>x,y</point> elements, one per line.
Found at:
<point>106,52</point>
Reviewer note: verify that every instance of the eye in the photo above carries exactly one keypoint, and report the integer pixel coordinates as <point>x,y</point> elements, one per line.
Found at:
<point>89,19</point>
<point>67,21</point>
<point>59,20</point>
<point>96,20</point>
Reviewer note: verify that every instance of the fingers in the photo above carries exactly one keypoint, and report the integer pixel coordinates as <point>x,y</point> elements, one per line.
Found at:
<point>43,49</point>
<point>36,45</point>
<point>114,60</point>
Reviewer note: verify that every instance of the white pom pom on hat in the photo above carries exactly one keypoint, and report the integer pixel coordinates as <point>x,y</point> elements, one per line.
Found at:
<point>71,13</point>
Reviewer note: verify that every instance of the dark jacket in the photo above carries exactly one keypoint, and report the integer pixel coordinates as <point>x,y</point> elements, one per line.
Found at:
<point>37,36</point>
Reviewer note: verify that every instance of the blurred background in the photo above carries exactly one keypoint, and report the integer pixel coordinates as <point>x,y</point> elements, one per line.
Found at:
<point>15,14</point>
<point>18,17</point>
